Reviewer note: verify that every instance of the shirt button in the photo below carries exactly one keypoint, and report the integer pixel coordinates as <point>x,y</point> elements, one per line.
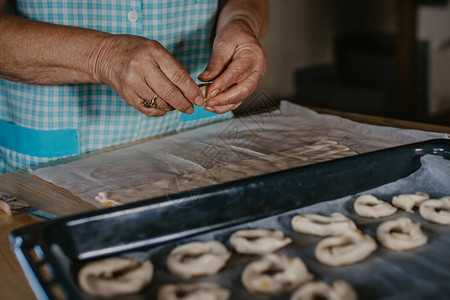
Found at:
<point>133,16</point>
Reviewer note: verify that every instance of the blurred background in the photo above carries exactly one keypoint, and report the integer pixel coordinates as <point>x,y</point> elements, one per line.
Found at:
<point>380,57</point>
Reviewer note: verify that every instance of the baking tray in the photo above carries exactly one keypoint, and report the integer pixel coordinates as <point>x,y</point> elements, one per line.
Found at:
<point>52,252</point>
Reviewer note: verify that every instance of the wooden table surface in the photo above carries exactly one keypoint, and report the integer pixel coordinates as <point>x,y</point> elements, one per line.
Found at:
<point>48,197</point>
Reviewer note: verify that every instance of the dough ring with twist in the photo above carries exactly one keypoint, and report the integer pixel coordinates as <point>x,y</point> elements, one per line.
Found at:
<point>274,274</point>
<point>338,290</point>
<point>258,241</point>
<point>371,207</point>
<point>409,201</point>
<point>115,276</point>
<point>436,210</point>
<point>335,224</point>
<point>197,259</point>
<point>195,291</point>
<point>401,234</point>
<point>345,249</point>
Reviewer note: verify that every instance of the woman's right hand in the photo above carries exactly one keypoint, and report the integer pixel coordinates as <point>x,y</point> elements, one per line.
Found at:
<point>138,68</point>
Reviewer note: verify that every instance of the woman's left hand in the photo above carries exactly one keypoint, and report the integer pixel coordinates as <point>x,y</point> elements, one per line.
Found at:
<point>236,66</point>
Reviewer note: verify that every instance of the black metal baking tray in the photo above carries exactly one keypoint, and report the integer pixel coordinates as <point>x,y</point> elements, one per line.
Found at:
<point>51,252</point>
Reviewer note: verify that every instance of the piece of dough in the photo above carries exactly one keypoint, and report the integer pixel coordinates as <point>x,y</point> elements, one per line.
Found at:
<point>336,224</point>
<point>338,290</point>
<point>275,274</point>
<point>197,259</point>
<point>345,249</point>
<point>436,210</point>
<point>258,241</point>
<point>204,88</point>
<point>409,201</point>
<point>401,234</point>
<point>115,276</point>
<point>194,291</point>
<point>371,207</point>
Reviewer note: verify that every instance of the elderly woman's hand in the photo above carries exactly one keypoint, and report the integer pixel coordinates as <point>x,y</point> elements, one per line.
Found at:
<point>236,66</point>
<point>137,68</point>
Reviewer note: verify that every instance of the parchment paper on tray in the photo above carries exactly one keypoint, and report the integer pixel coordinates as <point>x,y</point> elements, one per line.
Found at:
<point>219,144</point>
<point>300,156</point>
<point>423,273</point>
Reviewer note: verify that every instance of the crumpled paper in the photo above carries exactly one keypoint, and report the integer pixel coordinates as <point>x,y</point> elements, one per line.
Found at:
<point>219,144</point>
<point>301,156</point>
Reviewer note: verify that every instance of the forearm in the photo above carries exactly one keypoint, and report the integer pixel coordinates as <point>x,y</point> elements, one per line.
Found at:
<point>42,53</point>
<point>137,68</point>
<point>254,13</point>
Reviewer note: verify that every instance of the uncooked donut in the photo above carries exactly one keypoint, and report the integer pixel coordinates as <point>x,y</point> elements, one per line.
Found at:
<point>115,276</point>
<point>338,290</point>
<point>197,259</point>
<point>345,249</point>
<point>274,274</point>
<point>195,291</point>
<point>336,224</point>
<point>409,201</point>
<point>436,210</point>
<point>258,241</point>
<point>401,234</point>
<point>371,207</point>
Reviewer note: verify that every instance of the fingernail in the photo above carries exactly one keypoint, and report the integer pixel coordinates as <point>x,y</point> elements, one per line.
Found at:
<point>204,74</point>
<point>212,103</point>
<point>199,101</point>
<point>190,110</point>
<point>209,108</point>
<point>213,94</point>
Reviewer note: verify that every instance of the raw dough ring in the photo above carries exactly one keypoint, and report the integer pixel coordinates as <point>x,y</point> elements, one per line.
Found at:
<point>200,291</point>
<point>258,241</point>
<point>338,290</point>
<point>409,201</point>
<point>436,210</point>
<point>401,234</point>
<point>115,276</point>
<point>197,259</point>
<point>371,207</point>
<point>345,249</point>
<point>274,274</point>
<point>335,224</point>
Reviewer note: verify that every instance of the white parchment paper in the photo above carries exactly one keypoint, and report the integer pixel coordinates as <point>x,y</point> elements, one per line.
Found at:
<point>218,144</point>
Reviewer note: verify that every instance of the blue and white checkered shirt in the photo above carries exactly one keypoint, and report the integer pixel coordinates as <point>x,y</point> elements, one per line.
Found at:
<point>42,123</point>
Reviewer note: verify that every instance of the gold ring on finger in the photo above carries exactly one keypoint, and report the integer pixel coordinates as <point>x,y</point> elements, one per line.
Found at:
<point>150,103</point>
